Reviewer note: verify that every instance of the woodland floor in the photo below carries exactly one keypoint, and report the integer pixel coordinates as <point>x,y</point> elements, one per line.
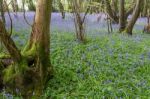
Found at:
<point>106,67</point>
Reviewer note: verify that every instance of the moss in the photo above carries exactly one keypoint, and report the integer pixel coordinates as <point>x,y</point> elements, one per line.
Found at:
<point>3,55</point>
<point>1,66</point>
<point>29,51</point>
<point>23,74</point>
<point>9,74</point>
<point>14,69</point>
<point>27,47</point>
<point>22,66</point>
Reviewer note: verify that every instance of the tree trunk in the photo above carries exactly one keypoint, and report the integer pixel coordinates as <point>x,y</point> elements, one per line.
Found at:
<point>129,11</point>
<point>115,6</point>
<point>79,20</point>
<point>145,8</point>
<point>61,8</point>
<point>9,43</point>
<point>134,18</point>
<point>15,5</point>
<point>34,61</point>
<point>147,26</point>
<point>40,38</point>
<point>122,21</point>
<point>110,12</point>
<point>31,5</point>
<point>2,11</point>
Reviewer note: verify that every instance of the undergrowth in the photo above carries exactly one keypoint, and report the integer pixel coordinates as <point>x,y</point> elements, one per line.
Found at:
<point>106,67</point>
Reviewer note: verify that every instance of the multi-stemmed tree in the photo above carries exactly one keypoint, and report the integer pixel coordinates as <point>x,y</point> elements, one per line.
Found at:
<point>28,70</point>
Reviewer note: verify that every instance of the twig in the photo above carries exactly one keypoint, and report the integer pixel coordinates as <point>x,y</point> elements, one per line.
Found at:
<point>24,13</point>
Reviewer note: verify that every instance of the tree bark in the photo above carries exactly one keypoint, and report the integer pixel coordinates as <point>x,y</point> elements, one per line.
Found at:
<point>122,21</point>
<point>115,6</point>
<point>2,11</point>
<point>15,5</point>
<point>79,20</point>
<point>31,5</point>
<point>134,18</point>
<point>110,12</point>
<point>9,43</point>
<point>30,77</point>
<point>40,37</point>
<point>146,6</point>
<point>128,12</point>
<point>62,10</point>
<point>147,26</point>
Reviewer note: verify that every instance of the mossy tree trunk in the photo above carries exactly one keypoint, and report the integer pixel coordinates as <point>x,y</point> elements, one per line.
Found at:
<point>40,37</point>
<point>33,62</point>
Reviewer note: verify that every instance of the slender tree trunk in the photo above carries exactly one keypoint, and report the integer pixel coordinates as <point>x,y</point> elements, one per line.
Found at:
<point>61,7</point>
<point>31,5</point>
<point>2,11</point>
<point>147,26</point>
<point>115,6</point>
<point>15,5</point>
<point>122,21</point>
<point>110,12</point>
<point>134,18</point>
<point>79,20</point>
<point>145,7</point>
<point>9,43</point>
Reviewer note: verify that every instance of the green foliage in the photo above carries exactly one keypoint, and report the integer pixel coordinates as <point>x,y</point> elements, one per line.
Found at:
<point>31,5</point>
<point>14,70</point>
<point>27,51</point>
<point>113,66</point>
<point>3,55</point>
<point>9,74</point>
<point>107,66</point>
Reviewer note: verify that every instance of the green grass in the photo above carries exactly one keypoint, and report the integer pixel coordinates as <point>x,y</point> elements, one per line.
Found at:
<point>106,67</point>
